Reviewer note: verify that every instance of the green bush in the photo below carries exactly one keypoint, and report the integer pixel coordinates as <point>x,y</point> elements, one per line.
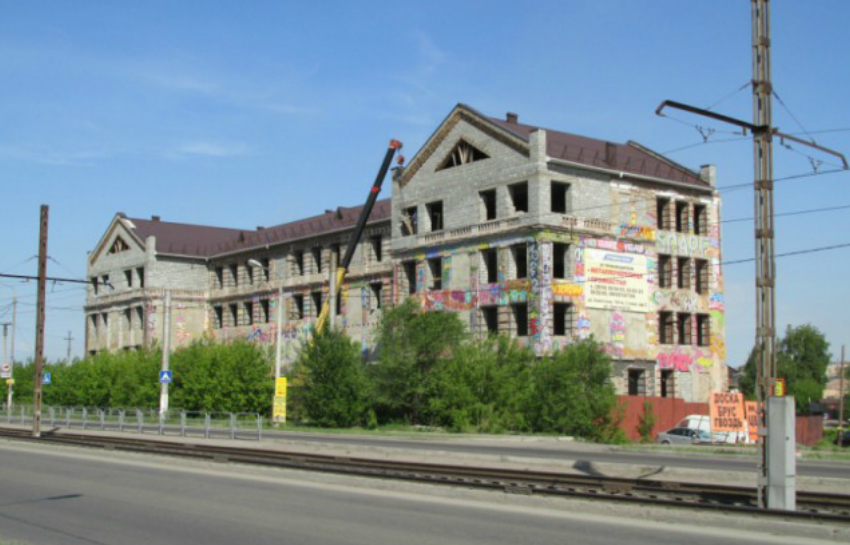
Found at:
<point>411,343</point>
<point>646,422</point>
<point>331,387</point>
<point>571,393</point>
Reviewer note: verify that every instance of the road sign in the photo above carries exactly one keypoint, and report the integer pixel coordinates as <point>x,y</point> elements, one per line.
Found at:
<point>46,378</point>
<point>5,371</point>
<point>10,381</point>
<point>165,377</point>
<point>780,389</point>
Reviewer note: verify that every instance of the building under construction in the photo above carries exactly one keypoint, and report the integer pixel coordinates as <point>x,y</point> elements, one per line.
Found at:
<point>538,234</point>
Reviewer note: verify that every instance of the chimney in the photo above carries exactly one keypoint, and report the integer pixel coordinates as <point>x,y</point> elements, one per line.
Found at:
<point>155,218</point>
<point>511,117</point>
<point>708,173</point>
<point>611,154</point>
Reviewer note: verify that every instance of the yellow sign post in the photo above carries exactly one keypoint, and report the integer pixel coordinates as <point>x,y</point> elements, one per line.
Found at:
<point>279,414</point>
<point>779,389</point>
<point>10,381</point>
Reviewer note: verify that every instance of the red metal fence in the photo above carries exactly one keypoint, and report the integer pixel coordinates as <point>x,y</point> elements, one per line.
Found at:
<point>669,411</point>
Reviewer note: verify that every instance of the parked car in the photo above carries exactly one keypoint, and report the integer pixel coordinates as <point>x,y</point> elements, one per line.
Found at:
<point>683,435</point>
<point>845,439</point>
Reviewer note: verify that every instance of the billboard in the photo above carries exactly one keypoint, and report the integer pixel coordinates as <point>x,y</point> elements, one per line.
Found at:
<point>727,412</point>
<point>615,281</point>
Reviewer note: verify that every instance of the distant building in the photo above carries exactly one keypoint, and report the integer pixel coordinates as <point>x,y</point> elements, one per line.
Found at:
<point>542,235</point>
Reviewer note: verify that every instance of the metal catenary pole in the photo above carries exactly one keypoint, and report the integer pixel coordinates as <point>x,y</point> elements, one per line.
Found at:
<point>39,323</point>
<point>69,339</point>
<point>14,325</point>
<point>764,233</point>
<point>841,397</point>
<point>5,362</point>
<point>166,349</point>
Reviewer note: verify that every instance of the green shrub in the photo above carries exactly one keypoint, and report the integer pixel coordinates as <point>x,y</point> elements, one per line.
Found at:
<point>646,422</point>
<point>332,389</point>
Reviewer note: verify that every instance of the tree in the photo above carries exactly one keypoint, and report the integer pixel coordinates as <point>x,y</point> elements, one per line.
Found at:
<point>571,393</point>
<point>332,387</point>
<point>802,357</point>
<point>410,344</point>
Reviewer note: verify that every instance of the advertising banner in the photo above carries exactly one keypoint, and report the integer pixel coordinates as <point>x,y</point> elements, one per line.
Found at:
<point>752,408</point>
<point>279,412</point>
<point>727,412</point>
<point>616,281</point>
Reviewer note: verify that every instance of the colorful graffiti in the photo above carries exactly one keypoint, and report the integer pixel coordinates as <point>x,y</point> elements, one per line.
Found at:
<point>568,290</point>
<point>636,231</point>
<point>617,330</point>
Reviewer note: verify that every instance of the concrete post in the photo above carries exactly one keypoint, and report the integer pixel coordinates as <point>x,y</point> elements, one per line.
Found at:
<point>781,463</point>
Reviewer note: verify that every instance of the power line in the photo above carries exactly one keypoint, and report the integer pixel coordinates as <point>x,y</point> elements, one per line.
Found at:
<point>795,213</point>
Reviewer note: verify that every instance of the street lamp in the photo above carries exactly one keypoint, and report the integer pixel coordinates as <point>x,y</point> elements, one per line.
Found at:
<point>257,265</point>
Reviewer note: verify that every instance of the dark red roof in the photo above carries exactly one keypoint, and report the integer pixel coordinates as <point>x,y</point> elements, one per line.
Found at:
<point>630,157</point>
<point>206,241</point>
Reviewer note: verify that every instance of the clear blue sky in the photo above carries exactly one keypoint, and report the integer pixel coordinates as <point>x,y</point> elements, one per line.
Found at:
<point>253,113</point>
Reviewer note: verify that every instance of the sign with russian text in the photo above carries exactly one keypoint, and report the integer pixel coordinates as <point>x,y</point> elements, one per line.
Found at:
<point>279,408</point>
<point>752,409</point>
<point>727,412</point>
<point>615,281</point>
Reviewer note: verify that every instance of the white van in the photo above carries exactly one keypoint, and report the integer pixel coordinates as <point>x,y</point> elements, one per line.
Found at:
<point>702,422</point>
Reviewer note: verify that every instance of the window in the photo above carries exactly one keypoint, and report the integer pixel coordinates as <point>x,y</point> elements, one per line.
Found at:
<point>266,268</point>
<point>667,384</point>
<point>520,313</point>
<point>248,314</point>
<point>128,319</point>
<point>104,319</point>
<point>682,217</point>
<point>559,194</point>
<point>684,323</point>
<point>563,319</point>
<point>410,276</point>
<point>491,319</point>
<point>234,315</point>
<point>219,277</point>
<point>298,300</point>
<point>140,317</point>
<point>700,219</point>
<point>95,284</point>
<point>409,221</point>
<point>520,254</point>
<point>298,263</point>
<point>560,257</point>
<point>683,273</point>
<point>703,330</point>
<point>665,271</point>
<point>435,215</point>
<point>316,297</point>
<point>94,324</point>
<point>463,153</point>
<point>265,316</point>
<point>118,246</point>
<point>140,272</point>
<point>317,259</point>
<point>377,248</point>
<point>637,384</point>
<point>665,327</point>
<point>376,288</point>
<point>490,260</point>
<point>105,281</point>
<point>234,274</point>
<point>701,276</point>
<point>128,276</point>
<point>519,196</point>
<point>488,204</point>
<point>435,267</point>
<point>663,213</point>
<point>249,272</point>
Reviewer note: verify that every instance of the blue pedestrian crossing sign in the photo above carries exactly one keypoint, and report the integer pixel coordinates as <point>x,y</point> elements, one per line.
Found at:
<point>46,378</point>
<point>165,377</point>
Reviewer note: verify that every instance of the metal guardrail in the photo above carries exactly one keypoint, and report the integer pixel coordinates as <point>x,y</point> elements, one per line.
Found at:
<point>208,425</point>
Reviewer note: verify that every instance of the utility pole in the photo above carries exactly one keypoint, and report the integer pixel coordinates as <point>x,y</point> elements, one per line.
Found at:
<point>5,363</point>
<point>764,234</point>
<point>39,323</point>
<point>841,397</point>
<point>778,482</point>
<point>166,349</point>
<point>69,338</point>
<point>14,324</point>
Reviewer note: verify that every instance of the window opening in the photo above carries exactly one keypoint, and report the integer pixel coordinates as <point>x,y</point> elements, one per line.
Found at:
<point>563,319</point>
<point>702,276</point>
<point>462,154</point>
<point>683,280</point>
<point>519,196</point>
<point>681,217</point>
<point>665,271</point>
<point>637,384</point>
<point>684,324</point>
<point>435,214</point>
<point>700,219</point>
<point>703,330</point>
<point>491,319</point>
<point>520,252</point>
<point>560,253</point>
<point>377,288</point>
<point>663,213</point>
<point>377,248</point>
<point>521,319</point>
<point>409,221</point>
<point>667,384</point>
<point>435,265</point>
<point>665,327</point>
<point>559,192</point>
<point>490,257</point>
<point>488,205</point>
<point>410,276</point>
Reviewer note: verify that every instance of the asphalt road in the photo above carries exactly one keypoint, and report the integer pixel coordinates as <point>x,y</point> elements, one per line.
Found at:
<point>579,453</point>
<point>51,495</point>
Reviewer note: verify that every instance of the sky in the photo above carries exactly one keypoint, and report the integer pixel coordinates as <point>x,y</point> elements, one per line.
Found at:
<point>242,114</point>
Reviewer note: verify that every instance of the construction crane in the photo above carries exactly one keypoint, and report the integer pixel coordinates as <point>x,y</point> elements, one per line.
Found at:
<point>342,266</point>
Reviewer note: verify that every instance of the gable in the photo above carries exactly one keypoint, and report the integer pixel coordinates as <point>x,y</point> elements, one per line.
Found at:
<point>462,117</point>
<point>462,153</point>
<point>118,240</point>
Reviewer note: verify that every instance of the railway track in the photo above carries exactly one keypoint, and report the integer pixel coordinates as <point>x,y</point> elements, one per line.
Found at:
<point>810,505</point>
